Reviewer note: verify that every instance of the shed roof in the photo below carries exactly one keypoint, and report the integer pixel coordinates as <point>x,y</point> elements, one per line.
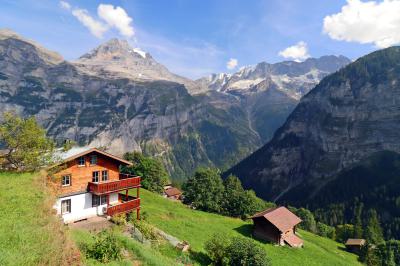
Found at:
<point>355,242</point>
<point>280,217</point>
<point>75,153</point>
<point>173,191</point>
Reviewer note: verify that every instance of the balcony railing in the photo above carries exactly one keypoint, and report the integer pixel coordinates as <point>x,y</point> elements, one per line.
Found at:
<point>125,182</point>
<point>123,207</point>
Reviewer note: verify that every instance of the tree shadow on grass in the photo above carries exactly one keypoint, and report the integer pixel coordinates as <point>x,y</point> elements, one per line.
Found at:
<point>246,230</point>
<point>200,257</point>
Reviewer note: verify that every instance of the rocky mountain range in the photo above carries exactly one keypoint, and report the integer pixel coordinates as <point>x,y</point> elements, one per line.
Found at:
<point>121,98</point>
<point>348,118</point>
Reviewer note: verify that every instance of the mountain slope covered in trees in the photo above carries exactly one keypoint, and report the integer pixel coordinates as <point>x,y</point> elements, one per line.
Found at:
<point>347,119</point>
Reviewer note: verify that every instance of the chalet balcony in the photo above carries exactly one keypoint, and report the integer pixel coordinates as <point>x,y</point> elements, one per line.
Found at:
<point>125,182</point>
<point>124,205</point>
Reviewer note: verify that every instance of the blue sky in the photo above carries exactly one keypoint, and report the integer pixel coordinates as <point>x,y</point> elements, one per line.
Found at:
<point>194,38</point>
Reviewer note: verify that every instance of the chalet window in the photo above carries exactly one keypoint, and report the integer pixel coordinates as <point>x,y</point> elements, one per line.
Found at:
<point>104,175</point>
<point>65,206</point>
<point>98,200</point>
<point>66,180</point>
<point>81,161</point>
<point>93,159</point>
<point>95,176</point>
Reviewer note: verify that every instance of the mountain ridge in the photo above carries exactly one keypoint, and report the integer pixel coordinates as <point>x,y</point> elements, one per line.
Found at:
<point>349,115</point>
<point>96,106</point>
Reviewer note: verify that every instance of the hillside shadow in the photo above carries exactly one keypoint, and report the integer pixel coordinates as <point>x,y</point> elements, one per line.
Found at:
<point>200,257</point>
<point>245,230</point>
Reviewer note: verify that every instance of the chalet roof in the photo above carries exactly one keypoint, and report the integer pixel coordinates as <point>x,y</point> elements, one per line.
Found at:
<point>173,191</point>
<point>355,242</point>
<point>280,217</point>
<point>75,153</point>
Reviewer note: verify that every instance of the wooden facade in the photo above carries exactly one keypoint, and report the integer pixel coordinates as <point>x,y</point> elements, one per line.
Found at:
<point>97,173</point>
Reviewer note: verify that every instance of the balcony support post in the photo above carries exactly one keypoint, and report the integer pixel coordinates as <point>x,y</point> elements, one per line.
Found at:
<point>108,200</point>
<point>138,213</point>
<point>137,192</point>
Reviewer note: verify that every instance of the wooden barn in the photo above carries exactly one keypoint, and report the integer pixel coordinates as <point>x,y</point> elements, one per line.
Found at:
<point>277,225</point>
<point>355,245</point>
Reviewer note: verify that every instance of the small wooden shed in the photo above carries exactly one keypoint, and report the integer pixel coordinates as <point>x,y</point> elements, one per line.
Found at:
<point>173,193</point>
<point>277,225</point>
<point>355,244</point>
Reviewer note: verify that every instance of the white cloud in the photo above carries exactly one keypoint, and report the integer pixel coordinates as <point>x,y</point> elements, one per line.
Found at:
<point>116,17</point>
<point>95,27</point>
<point>366,22</point>
<point>232,63</point>
<point>65,5</point>
<point>297,52</point>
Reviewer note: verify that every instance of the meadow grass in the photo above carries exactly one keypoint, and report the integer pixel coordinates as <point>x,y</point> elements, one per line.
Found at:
<point>197,227</point>
<point>136,253</point>
<point>30,233</point>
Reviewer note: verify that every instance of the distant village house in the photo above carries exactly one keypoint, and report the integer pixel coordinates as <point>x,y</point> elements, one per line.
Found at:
<point>89,184</point>
<point>277,225</point>
<point>355,245</point>
<point>172,193</point>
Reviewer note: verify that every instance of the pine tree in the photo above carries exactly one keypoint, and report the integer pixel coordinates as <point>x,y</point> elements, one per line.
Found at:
<point>358,230</point>
<point>373,232</point>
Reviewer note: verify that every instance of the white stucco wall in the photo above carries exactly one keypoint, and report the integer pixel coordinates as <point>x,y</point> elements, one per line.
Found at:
<point>81,207</point>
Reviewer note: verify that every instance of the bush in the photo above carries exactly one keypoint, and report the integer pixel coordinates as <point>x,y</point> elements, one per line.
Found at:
<point>235,251</point>
<point>148,231</point>
<point>104,248</point>
<point>216,248</point>
<point>119,219</point>
<point>344,232</point>
<point>326,230</point>
<point>243,251</point>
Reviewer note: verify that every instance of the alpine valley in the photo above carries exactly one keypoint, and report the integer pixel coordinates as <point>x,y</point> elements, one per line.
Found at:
<point>121,98</point>
<point>338,151</point>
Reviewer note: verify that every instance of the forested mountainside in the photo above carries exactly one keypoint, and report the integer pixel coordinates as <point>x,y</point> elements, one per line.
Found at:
<point>120,98</point>
<point>339,147</point>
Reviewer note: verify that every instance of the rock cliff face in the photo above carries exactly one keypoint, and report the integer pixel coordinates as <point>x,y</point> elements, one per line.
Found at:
<point>106,107</point>
<point>347,117</point>
<point>121,98</point>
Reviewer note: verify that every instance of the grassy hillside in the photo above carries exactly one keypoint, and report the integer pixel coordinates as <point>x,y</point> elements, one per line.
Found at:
<point>29,232</point>
<point>196,227</point>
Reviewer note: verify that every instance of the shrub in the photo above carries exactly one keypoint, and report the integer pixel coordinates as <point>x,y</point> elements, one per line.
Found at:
<point>344,232</point>
<point>148,231</point>
<point>326,230</point>
<point>119,219</point>
<point>216,248</point>
<point>235,251</point>
<point>246,252</point>
<point>104,248</point>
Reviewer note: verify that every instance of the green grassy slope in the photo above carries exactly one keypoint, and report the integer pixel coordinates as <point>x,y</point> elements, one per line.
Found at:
<point>196,227</point>
<point>29,233</point>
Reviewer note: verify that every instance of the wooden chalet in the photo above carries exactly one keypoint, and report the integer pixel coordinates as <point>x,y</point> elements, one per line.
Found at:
<point>173,193</point>
<point>277,225</point>
<point>89,183</point>
<point>355,245</point>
